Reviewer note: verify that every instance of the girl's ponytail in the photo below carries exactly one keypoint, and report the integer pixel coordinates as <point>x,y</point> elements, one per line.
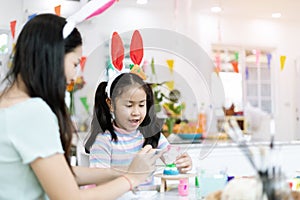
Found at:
<point>101,120</point>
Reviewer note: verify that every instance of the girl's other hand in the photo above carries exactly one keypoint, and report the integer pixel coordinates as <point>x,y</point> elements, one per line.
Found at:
<point>184,163</point>
<point>143,165</point>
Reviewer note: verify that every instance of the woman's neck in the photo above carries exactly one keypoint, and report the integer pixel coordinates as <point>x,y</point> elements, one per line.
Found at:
<point>14,94</point>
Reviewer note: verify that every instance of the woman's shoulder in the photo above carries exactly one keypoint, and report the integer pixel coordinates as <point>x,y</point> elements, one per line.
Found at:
<point>39,108</point>
<point>25,101</point>
<point>38,103</point>
<point>33,115</point>
<point>32,106</point>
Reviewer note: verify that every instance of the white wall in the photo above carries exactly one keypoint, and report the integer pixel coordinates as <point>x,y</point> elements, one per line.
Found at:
<point>283,37</point>
<point>10,10</point>
<point>203,29</point>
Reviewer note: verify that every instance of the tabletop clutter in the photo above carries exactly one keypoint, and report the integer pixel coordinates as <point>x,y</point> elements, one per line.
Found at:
<point>269,183</point>
<point>171,172</point>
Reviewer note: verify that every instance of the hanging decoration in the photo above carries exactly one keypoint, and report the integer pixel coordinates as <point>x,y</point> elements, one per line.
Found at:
<point>269,57</point>
<point>153,77</point>
<point>82,63</point>
<point>170,65</point>
<point>282,62</point>
<point>235,63</point>
<point>257,57</point>
<point>145,65</point>
<point>85,104</point>
<point>110,66</point>
<point>84,123</point>
<point>236,56</point>
<point>13,28</point>
<point>218,62</point>
<point>246,72</point>
<point>170,85</point>
<point>31,16</point>
<point>13,31</point>
<point>235,66</point>
<point>153,67</point>
<point>57,10</point>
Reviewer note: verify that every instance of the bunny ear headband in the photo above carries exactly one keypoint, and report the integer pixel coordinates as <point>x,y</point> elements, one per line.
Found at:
<point>89,10</point>
<point>117,57</point>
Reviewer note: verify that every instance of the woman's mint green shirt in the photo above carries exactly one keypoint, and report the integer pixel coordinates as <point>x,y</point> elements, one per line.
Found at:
<point>28,130</point>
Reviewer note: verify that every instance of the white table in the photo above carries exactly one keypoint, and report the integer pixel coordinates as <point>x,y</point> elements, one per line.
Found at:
<point>170,194</point>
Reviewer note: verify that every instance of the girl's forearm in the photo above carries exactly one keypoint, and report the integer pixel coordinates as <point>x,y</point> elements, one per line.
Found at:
<point>120,185</point>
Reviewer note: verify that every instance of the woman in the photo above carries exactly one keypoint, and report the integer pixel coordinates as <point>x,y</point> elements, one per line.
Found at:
<point>35,127</point>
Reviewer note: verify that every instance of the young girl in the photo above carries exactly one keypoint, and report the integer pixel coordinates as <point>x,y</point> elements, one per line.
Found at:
<point>124,118</point>
<point>35,127</point>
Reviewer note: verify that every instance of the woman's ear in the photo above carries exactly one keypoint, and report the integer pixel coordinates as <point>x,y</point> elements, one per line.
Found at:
<point>109,104</point>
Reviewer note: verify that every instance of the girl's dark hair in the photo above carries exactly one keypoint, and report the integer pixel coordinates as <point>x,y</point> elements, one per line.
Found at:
<point>101,121</point>
<point>39,62</point>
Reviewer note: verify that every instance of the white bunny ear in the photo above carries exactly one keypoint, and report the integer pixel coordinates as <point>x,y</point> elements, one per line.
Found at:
<point>68,28</point>
<point>89,10</point>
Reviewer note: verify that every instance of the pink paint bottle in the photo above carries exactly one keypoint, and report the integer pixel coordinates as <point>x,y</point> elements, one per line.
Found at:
<point>183,187</point>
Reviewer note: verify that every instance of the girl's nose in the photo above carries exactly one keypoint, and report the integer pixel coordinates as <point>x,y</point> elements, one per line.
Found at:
<point>135,110</point>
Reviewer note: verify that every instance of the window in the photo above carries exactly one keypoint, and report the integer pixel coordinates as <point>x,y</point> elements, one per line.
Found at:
<point>258,80</point>
<point>248,81</point>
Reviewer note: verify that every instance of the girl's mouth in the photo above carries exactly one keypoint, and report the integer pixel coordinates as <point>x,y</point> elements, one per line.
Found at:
<point>134,122</point>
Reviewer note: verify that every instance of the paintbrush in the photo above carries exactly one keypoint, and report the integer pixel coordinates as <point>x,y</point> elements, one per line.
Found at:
<point>237,137</point>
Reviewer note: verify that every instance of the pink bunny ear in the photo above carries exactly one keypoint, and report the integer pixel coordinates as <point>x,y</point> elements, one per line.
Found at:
<point>136,48</point>
<point>117,51</point>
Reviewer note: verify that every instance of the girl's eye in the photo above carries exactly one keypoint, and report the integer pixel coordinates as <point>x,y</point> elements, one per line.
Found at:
<point>142,105</point>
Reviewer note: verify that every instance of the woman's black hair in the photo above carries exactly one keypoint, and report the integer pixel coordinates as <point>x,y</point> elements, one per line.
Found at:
<point>39,62</point>
<point>101,121</point>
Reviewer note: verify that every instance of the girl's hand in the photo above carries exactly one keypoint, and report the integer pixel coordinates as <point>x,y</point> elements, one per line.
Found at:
<point>184,163</point>
<point>143,165</point>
